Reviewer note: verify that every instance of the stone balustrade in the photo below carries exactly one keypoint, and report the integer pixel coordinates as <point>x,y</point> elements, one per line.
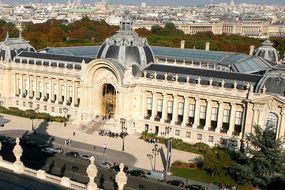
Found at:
<point>19,168</point>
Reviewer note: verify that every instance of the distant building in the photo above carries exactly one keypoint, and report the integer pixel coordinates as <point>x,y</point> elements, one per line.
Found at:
<point>202,96</point>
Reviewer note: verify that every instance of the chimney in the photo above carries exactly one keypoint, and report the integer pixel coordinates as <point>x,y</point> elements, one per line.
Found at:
<point>207,46</point>
<point>182,44</point>
<point>251,50</point>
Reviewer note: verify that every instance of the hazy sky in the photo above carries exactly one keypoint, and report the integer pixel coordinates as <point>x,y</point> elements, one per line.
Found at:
<point>160,2</point>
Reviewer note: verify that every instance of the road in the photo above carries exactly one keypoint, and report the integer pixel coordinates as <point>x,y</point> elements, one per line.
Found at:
<point>75,169</point>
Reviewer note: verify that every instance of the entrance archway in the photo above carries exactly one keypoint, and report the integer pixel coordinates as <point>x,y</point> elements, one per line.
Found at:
<point>108,100</point>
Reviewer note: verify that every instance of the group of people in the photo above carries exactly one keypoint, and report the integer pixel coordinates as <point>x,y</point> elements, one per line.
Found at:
<point>112,134</point>
<point>151,140</point>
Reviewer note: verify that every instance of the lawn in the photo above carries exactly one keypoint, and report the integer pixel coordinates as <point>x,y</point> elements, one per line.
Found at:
<point>203,176</point>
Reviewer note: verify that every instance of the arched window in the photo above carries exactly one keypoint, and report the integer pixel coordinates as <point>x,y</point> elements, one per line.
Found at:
<point>271,121</point>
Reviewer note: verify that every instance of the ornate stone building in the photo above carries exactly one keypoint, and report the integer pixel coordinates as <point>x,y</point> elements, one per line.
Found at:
<point>195,95</point>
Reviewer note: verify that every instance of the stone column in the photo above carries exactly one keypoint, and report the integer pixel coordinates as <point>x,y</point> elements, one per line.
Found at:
<point>174,112</point>
<point>75,93</point>
<point>232,119</point>
<point>154,105</point>
<point>24,84</point>
<point>31,78</point>
<point>197,113</point>
<point>121,178</point>
<point>164,107</point>
<point>67,90</point>
<point>59,90</point>
<point>220,117</point>
<point>18,164</point>
<point>92,173</point>
<point>16,85</point>
<point>51,89</point>
<point>144,104</point>
<point>44,87</point>
<point>185,111</point>
<point>38,79</point>
<point>208,115</point>
<point>281,132</point>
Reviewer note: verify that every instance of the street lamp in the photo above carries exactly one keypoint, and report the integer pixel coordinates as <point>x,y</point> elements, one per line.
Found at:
<point>65,110</point>
<point>169,147</point>
<point>150,157</point>
<point>124,129</point>
<point>32,115</point>
<point>155,152</point>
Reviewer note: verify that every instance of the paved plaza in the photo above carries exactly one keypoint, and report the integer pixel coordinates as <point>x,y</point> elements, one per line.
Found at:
<point>135,153</point>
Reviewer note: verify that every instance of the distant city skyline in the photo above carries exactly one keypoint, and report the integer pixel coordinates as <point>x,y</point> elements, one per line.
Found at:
<point>155,2</point>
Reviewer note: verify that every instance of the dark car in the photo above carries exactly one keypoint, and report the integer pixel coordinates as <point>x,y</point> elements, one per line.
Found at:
<point>176,183</point>
<point>136,173</point>
<point>72,154</point>
<point>195,187</point>
<point>3,137</point>
<point>9,141</point>
<point>117,168</point>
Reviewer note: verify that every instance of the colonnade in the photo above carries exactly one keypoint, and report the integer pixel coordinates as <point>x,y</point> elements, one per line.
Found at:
<point>60,90</point>
<point>225,115</point>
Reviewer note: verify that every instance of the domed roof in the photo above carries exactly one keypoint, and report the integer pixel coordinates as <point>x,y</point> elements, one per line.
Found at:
<point>267,52</point>
<point>127,47</point>
<point>13,46</point>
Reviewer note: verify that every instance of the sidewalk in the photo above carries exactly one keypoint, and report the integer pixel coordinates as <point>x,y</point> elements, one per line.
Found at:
<point>133,145</point>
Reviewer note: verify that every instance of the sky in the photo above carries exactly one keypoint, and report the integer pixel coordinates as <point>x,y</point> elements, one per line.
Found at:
<point>159,2</point>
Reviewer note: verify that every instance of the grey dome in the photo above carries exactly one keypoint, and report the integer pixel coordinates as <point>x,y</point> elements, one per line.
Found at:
<point>13,46</point>
<point>267,52</point>
<point>127,47</point>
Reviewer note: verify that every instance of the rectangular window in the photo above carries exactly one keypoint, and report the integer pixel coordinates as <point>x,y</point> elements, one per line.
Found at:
<point>238,118</point>
<point>52,109</point>
<point>70,91</point>
<point>170,107</point>
<point>20,84</point>
<point>203,112</point>
<point>34,85</point>
<point>214,114</point>
<point>38,106</point>
<point>177,132</point>
<point>41,86</point>
<point>78,92</point>
<point>17,102</point>
<point>226,116</point>
<point>45,107</point>
<point>55,89</point>
<point>180,108</point>
<point>48,87</point>
<point>149,103</point>
<point>211,139</point>
<point>188,134</point>
<point>27,84</point>
<point>60,110</point>
<point>191,110</point>
<point>159,105</point>
<point>62,90</point>
<point>199,136</point>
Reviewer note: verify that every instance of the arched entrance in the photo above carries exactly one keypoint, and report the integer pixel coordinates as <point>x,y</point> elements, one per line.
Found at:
<point>108,100</point>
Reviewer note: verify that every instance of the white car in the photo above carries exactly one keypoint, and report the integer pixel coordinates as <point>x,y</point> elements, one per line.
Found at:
<point>51,150</point>
<point>84,157</point>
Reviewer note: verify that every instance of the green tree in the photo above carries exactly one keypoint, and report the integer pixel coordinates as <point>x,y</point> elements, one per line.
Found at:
<point>264,158</point>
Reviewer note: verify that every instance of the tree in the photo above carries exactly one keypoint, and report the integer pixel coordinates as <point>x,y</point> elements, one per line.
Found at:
<point>263,161</point>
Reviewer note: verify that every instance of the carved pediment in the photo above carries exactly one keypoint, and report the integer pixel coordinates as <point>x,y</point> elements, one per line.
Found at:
<point>271,102</point>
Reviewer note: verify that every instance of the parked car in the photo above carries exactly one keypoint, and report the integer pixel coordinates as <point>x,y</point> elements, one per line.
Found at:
<point>117,168</point>
<point>195,187</point>
<point>136,173</point>
<point>51,150</point>
<point>9,140</point>
<point>84,157</point>
<point>3,137</point>
<point>106,165</point>
<point>176,183</point>
<point>156,175</point>
<point>72,154</point>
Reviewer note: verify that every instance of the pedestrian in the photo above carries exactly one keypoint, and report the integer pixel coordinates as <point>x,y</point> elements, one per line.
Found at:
<point>73,133</point>
<point>94,147</point>
<point>105,147</point>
